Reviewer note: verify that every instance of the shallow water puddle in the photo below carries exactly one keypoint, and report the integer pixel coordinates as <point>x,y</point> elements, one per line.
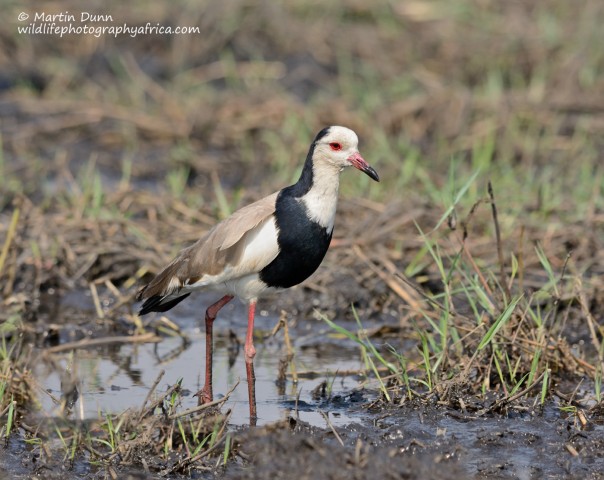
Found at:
<point>116,377</point>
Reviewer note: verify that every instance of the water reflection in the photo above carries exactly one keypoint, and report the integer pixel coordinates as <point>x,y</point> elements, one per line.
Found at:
<point>117,377</point>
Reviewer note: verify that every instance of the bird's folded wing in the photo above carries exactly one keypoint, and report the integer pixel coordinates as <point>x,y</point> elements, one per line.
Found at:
<point>235,244</point>
<point>242,244</point>
<point>228,232</point>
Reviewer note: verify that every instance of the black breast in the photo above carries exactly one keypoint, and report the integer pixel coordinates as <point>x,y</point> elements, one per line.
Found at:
<point>302,245</point>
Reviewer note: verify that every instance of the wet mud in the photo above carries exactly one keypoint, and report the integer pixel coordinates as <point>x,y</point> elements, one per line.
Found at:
<point>423,441</point>
<point>330,423</point>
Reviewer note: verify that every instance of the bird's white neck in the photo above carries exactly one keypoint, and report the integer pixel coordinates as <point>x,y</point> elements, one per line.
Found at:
<point>322,198</point>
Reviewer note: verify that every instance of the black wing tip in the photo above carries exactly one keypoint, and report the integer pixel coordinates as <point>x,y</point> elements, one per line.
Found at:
<point>147,306</point>
<point>156,304</point>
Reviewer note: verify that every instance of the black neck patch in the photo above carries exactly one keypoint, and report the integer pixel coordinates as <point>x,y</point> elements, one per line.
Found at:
<point>305,182</point>
<point>303,244</point>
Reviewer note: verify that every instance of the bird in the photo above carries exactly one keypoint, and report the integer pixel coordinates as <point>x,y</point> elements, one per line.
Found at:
<point>267,246</point>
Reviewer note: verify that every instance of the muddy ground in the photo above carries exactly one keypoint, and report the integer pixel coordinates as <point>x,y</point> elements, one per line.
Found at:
<point>466,436</point>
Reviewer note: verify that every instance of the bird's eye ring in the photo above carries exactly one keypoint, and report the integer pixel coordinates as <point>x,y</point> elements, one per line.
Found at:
<point>335,146</point>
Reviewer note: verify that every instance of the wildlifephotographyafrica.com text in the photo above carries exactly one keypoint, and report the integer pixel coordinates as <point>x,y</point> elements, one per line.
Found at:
<point>95,24</point>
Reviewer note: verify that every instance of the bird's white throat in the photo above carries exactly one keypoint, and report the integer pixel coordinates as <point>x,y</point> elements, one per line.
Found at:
<point>321,200</point>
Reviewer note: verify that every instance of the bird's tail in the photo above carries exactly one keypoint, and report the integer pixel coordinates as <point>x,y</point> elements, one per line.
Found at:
<point>163,292</point>
<point>160,303</point>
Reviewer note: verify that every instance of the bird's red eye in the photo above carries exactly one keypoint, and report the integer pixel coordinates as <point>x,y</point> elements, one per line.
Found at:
<point>335,146</point>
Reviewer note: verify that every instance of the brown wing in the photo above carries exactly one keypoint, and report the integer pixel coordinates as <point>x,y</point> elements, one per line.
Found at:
<point>223,245</point>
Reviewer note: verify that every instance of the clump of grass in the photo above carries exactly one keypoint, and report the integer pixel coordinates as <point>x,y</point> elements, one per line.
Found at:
<point>370,354</point>
<point>160,436</point>
<point>15,387</point>
<point>485,330</point>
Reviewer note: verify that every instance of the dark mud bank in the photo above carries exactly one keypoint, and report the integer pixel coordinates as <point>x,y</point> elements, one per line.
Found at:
<point>415,441</point>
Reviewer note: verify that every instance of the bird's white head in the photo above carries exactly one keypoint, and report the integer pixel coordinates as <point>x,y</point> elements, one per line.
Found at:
<point>338,146</point>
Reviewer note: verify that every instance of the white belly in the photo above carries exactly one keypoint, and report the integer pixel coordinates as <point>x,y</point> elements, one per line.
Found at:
<point>248,287</point>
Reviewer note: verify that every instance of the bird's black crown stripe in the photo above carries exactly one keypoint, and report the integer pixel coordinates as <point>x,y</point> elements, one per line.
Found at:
<point>321,134</point>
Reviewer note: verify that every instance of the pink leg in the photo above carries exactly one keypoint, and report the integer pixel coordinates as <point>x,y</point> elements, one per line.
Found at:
<point>250,352</point>
<point>206,395</point>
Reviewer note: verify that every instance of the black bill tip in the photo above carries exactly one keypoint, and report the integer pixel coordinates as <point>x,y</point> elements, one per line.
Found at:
<point>370,171</point>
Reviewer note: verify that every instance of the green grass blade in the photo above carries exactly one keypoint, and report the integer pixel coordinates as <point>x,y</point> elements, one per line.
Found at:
<point>456,200</point>
<point>545,385</point>
<point>500,322</point>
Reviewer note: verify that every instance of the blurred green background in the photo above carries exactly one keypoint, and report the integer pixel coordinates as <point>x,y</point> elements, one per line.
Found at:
<point>433,88</point>
<point>445,96</point>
